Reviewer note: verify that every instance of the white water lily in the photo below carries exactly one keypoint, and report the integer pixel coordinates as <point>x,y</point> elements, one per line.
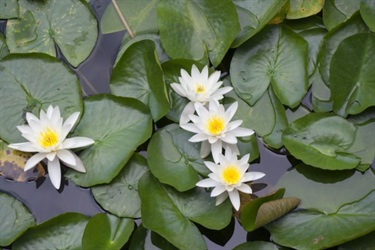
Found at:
<point>215,130</point>
<point>47,136</point>
<point>198,87</point>
<point>228,177</point>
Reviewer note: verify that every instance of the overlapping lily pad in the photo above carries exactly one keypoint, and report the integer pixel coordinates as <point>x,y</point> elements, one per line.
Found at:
<point>336,12</point>
<point>8,9</point>
<point>304,8</point>
<point>30,83</point>
<point>3,47</point>
<point>118,125</point>
<point>367,9</point>
<point>15,219</point>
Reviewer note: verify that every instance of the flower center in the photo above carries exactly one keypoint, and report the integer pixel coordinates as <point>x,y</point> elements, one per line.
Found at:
<point>199,88</point>
<point>231,175</point>
<point>215,125</point>
<point>48,138</point>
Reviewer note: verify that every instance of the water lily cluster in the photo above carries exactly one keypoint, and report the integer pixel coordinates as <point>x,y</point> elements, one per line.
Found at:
<point>214,128</point>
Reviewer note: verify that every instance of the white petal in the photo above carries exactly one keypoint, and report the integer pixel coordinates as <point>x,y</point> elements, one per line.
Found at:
<point>216,150</point>
<point>51,110</point>
<point>194,71</point>
<point>178,89</point>
<point>245,159</point>
<point>234,197</point>
<point>186,112</point>
<point>68,124</point>
<point>201,110</point>
<point>211,166</point>
<point>206,183</point>
<point>212,139</point>
<point>240,132</point>
<point>35,159</point>
<point>233,125</point>
<point>51,156</point>
<point>214,77</point>
<point>190,127</point>
<point>229,138</point>
<point>205,149</point>
<point>245,188</point>
<point>204,73</point>
<point>252,176</point>
<point>218,190</point>
<point>78,166</point>
<point>221,198</point>
<point>77,142</point>
<point>231,110</point>
<point>66,156</point>
<point>233,148</point>
<point>222,91</point>
<point>25,129</point>
<point>24,146</point>
<point>198,138</point>
<point>54,172</point>
<point>31,117</point>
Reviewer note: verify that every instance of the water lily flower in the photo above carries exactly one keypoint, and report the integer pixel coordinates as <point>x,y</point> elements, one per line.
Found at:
<point>47,136</point>
<point>198,87</point>
<point>214,129</point>
<point>228,177</point>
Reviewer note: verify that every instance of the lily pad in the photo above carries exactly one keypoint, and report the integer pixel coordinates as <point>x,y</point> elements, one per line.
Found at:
<point>15,219</point>
<point>12,163</point>
<point>336,12</point>
<point>253,15</point>
<point>352,74</point>
<point>30,83</point>
<point>260,62</point>
<point>44,24</point>
<point>304,8</point>
<point>118,125</point>
<point>191,29</point>
<point>120,196</point>
<point>3,47</point>
<point>105,231</point>
<point>171,213</point>
<point>8,9</point>
<point>64,231</point>
<point>173,159</point>
<point>367,9</point>
<point>138,74</point>
<point>322,140</point>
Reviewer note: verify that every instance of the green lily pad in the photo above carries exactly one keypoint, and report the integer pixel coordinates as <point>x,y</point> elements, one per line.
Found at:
<point>138,74</point>
<point>364,242</point>
<point>325,230</point>
<point>138,239</point>
<point>367,9</point>
<point>43,24</point>
<point>105,231</point>
<point>253,15</point>
<point>259,245</point>
<point>304,8</point>
<point>120,196</point>
<point>8,9</point>
<point>3,47</point>
<point>322,140</point>
<point>336,12</point>
<point>64,231</point>
<point>30,83</point>
<point>352,74</point>
<point>118,125</point>
<point>326,190</point>
<point>191,29</point>
<point>275,56</point>
<point>171,213</point>
<point>15,219</point>
<point>173,159</point>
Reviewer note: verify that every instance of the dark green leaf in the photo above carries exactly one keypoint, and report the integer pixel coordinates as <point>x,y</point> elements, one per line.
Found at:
<point>275,56</point>
<point>161,243</point>
<point>118,125</point>
<point>15,219</point>
<point>3,47</point>
<point>30,83</point>
<point>365,242</point>
<point>352,74</point>
<point>8,9</point>
<point>61,232</point>
<point>138,239</point>
<point>322,140</point>
<point>258,245</point>
<point>336,12</point>
<point>120,196</point>
<point>367,9</point>
<point>192,29</point>
<point>105,231</point>
<point>304,8</point>
<point>138,74</point>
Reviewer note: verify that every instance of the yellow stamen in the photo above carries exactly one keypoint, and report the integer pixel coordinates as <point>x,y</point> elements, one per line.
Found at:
<point>215,125</point>
<point>48,138</point>
<point>199,88</point>
<point>231,175</point>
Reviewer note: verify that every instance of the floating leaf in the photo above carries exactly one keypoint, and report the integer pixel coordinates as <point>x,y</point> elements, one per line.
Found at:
<point>64,231</point>
<point>367,9</point>
<point>259,245</point>
<point>105,231</point>
<point>275,56</point>
<point>3,47</point>
<point>160,242</point>
<point>364,242</point>
<point>336,12</point>
<point>173,159</point>
<point>30,83</point>
<point>352,75</point>
<point>8,9</point>
<point>138,74</point>
<point>12,163</point>
<point>138,238</point>
<point>120,196</point>
<point>171,213</point>
<point>15,219</point>
<point>322,140</point>
<point>304,8</point>
<point>192,29</point>
<point>118,125</point>
<point>253,16</point>
<point>43,24</point>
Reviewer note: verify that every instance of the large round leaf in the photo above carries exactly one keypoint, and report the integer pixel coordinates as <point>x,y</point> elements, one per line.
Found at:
<point>173,159</point>
<point>171,214</point>
<point>352,74</point>
<point>15,219</point>
<point>120,196</point>
<point>118,125</point>
<point>43,24</point>
<point>336,12</point>
<point>321,140</point>
<point>61,232</point>
<point>30,83</point>
<point>367,9</point>
<point>138,74</point>
<point>105,231</point>
<point>275,56</point>
<point>193,28</point>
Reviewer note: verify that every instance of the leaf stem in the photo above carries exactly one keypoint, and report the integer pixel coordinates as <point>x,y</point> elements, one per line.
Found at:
<point>131,34</point>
